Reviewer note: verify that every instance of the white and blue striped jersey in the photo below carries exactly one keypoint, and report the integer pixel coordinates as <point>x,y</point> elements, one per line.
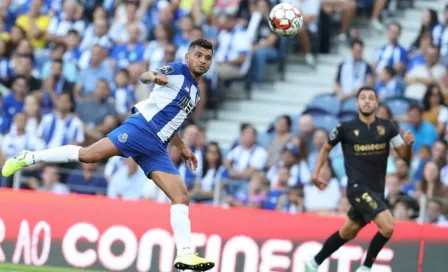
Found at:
<point>440,38</point>
<point>168,106</point>
<point>56,131</point>
<point>390,55</point>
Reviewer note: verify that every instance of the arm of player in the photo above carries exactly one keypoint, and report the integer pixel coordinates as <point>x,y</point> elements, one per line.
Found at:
<point>152,76</point>
<point>321,160</point>
<point>403,146</point>
<point>185,152</point>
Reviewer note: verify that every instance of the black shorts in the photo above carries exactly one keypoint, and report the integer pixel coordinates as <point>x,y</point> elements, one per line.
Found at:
<point>365,204</point>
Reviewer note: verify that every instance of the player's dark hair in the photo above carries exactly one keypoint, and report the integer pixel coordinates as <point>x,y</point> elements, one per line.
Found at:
<point>205,165</point>
<point>426,104</point>
<point>356,41</point>
<point>390,71</point>
<point>365,88</point>
<point>202,43</point>
<point>415,107</point>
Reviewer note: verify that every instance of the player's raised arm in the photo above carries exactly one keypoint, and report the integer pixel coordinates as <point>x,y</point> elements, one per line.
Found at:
<point>153,76</point>
<point>403,145</point>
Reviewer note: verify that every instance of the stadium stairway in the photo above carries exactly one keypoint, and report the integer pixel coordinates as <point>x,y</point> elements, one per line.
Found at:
<point>301,83</point>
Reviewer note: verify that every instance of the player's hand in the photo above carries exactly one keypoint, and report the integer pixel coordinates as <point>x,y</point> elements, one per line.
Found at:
<point>189,158</point>
<point>320,183</point>
<point>408,137</point>
<point>161,79</point>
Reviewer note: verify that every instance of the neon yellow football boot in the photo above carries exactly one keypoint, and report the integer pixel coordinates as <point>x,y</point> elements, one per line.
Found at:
<point>193,262</point>
<point>14,164</point>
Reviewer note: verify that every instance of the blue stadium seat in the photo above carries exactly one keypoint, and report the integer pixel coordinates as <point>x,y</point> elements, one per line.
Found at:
<point>264,138</point>
<point>349,105</point>
<point>347,115</point>
<point>328,103</point>
<point>295,123</point>
<point>399,105</point>
<point>327,122</point>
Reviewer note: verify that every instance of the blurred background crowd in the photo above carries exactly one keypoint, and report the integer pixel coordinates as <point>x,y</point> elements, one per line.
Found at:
<point>69,74</point>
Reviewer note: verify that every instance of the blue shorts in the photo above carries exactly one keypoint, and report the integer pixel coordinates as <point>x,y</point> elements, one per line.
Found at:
<point>133,139</point>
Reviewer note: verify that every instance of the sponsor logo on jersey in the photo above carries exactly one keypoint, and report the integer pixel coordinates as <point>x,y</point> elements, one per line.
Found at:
<point>369,147</point>
<point>187,105</point>
<point>381,130</point>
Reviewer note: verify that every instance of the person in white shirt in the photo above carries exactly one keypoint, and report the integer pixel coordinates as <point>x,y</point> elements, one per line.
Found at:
<point>233,48</point>
<point>119,33</point>
<point>18,139</point>
<point>59,26</point>
<point>127,182</point>
<point>96,34</point>
<point>247,157</point>
<point>61,127</point>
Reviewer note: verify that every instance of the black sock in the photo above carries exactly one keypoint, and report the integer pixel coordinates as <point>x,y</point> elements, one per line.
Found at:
<point>331,245</point>
<point>374,248</point>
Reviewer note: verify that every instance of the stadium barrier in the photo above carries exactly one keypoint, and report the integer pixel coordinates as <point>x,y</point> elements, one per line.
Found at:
<point>99,233</point>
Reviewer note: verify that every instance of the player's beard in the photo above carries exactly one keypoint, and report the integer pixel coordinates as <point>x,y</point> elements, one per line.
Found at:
<point>367,113</point>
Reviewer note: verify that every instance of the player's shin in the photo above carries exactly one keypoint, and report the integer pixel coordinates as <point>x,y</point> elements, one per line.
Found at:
<point>333,243</point>
<point>61,154</point>
<point>182,228</point>
<point>375,247</point>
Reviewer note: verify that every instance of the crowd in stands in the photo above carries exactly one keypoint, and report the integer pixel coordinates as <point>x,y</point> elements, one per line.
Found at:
<point>69,74</point>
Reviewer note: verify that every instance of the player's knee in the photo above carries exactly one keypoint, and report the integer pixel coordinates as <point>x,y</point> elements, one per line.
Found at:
<point>181,198</point>
<point>387,229</point>
<point>87,155</point>
<point>349,233</point>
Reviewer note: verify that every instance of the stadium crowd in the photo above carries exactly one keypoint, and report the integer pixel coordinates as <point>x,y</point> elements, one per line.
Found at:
<point>69,74</point>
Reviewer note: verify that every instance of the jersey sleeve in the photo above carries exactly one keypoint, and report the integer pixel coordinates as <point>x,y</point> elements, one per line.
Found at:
<point>170,69</point>
<point>395,138</point>
<point>335,135</point>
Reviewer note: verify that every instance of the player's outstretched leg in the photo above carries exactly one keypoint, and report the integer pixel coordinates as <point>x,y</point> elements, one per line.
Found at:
<point>385,222</point>
<point>173,186</point>
<point>333,243</point>
<point>98,151</point>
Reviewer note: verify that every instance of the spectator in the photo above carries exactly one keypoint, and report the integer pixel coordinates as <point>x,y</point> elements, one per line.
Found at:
<point>61,127</point>
<point>119,31</point>
<point>418,163</point>
<point>127,182</point>
<point>19,139</point>
<point>155,52</point>
<point>35,24</point>
<point>323,201</point>
<point>5,69</point>
<point>429,20</point>
<point>54,85</point>
<point>69,19</point>
<point>189,137</point>
<point>424,132</point>
<point>73,52</point>
<point>354,72</point>
<point>439,36</point>
<point>306,129</point>
<point>231,55</point>
<point>186,24</point>
<point>255,195</point>
<point>292,201</point>
<point>265,47</point>
<point>13,103</point>
<point>50,181</point>
<point>87,182</point>
<point>389,84</point>
<point>438,151</point>
<point>246,158</point>
<point>417,58</point>
<point>320,137</point>
<point>69,70</point>
<point>431,185</point>
<point>281,137</point>
<point>98,115</point>
<point>203,191</point>
<point>24,67</point>
<point>123,94</point>
<point>383,111</point>
<point>16,35</point>
<point>96,34</point>
<point>347,11</point>
<point>435,213</point>
<point>402,174</point>
<point>31,109</point>
<point>131,51</point>
<point>170,54</point>
<point>393,191</point>
<point>444,171</point>
<point>420,77</point>
<point>4,36</point>
<point>392,54</point>
<point>97,69</point>
<point>402,212</point>
<point>435,111</point>
<point>310,12</point>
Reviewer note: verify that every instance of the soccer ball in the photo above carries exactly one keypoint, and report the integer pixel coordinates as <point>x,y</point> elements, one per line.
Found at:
<point>285,19</point>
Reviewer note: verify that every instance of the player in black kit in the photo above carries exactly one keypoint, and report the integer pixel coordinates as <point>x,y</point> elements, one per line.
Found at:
<point>365,143</point>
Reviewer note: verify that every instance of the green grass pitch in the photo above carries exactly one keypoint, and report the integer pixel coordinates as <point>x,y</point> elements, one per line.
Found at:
<point>8,267</point>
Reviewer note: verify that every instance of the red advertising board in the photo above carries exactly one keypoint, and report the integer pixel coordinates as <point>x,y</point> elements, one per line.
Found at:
<point>100,233</point>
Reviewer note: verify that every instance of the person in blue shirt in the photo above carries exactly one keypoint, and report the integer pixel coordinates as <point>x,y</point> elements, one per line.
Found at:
<point>392,54</point>
<point>130,52</point>
<point>389,84</point>
<point>87,182</point>
<point>73,52</point>
<point>145,136</point>
<point>425,133</point>
<point>13,103</point>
